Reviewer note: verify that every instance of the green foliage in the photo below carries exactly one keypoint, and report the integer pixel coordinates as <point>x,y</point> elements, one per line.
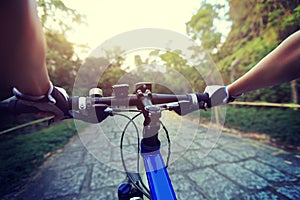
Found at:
<point>257,28</point>
<point>201,26</point>
<point>61,63</point>
<point>256,32</point>
<point>110,77</point>
<point>168,70</point>
<point>22,154</point>
<point>56,12</point>
<point>275,94</point>
<point>282,125</point>
<point>180,64</point>
<point>112,73</point>
<point>291,22</point>
<point>102,72</point>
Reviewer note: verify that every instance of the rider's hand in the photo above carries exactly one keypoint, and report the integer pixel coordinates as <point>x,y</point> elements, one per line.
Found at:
<point>219,95</point>
<point>55,101</point>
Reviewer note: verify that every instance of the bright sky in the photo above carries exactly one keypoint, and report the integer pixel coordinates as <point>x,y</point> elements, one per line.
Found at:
<point>108,18</point>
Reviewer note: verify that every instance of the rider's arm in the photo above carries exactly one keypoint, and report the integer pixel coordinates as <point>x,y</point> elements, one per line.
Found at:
<point>23,47</point>
<point>281,65</point>
<point>23,58</point>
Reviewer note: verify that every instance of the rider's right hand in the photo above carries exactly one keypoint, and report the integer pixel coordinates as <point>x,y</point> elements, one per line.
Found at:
<point>218,95</point>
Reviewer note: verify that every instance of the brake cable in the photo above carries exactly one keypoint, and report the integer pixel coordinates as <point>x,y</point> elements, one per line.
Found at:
<point>131,120</point>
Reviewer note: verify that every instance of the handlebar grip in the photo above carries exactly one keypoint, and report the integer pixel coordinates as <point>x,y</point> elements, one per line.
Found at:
<point>203,97</point>
<point>73,102</point>
<point>15,106</point>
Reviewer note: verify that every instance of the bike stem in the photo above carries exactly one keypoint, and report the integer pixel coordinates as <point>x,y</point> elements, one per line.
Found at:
<point>158,179</point>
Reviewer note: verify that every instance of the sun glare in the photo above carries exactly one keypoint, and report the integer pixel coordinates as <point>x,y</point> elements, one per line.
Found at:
<point>106,19</point>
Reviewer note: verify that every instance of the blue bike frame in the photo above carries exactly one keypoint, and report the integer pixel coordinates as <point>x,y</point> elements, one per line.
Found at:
<point>158,178</point>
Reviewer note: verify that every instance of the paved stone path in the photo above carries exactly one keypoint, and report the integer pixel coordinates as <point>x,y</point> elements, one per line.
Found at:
<point>225,167</point>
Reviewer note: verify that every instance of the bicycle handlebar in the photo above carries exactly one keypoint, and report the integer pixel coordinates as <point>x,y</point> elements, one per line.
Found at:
<point>150,104</point>
<point>132,100</point>
<point>181,104</point>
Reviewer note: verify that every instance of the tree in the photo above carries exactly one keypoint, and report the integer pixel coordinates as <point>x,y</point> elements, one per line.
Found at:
<point>61,61</point>
<point>55,14</point>
<point>181,66</point>
<point>101,71</point>
<point>258,28</point>
<point>201,26</point>
<point>169,72</point>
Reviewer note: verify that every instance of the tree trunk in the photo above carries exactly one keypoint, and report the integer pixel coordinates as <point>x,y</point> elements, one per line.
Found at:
<point>294,91</point>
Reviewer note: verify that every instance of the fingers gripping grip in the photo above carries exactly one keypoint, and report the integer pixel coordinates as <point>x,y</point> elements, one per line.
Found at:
<point>203,100</point>
<point>17,106</point>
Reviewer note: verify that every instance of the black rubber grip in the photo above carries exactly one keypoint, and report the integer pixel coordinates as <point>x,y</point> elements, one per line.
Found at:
<point>16,106</point>
<point>203,97</point>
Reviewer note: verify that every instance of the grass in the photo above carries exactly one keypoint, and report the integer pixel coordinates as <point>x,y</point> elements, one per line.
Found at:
<point>281,124</point>
<point>22,154</point>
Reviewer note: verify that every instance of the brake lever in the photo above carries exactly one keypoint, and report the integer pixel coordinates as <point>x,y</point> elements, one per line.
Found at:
<point>182,107</point>
<point>93,113</point>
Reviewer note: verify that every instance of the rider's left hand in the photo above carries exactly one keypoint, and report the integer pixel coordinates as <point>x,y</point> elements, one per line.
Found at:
<point>54,102</point>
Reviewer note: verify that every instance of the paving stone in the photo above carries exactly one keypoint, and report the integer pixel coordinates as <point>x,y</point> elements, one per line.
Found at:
<point>89,158</point>
<point>69,159</point>
<point>223,156</point>
<point>75,145</point>
<point>184,189</point>
<point>241,150</point>
<point>227,139</point>
<point>177,152</point>
<point>281,164</point>
<point>105,194</point>
<point>180,165</point>
<point>262,195</point>
<point>291,191</point>
<point>207,145</point>
<point>103,176</point>
<point>215,185</point>
<point>202,166</point>
<point>195,146</point>
<point>199,162</point>
<point>129,153</point>
<point>290,159</point>
<point>266,171</point>
<point>66,182</point>
<point>242,176</point>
